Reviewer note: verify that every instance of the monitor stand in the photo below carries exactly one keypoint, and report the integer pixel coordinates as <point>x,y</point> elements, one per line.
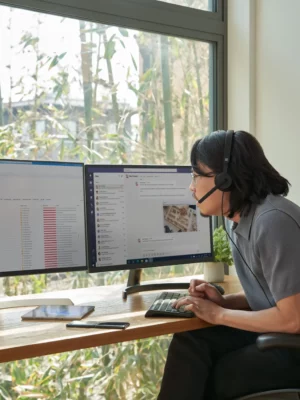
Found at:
<point>29,302</point>
<point>134,284</point>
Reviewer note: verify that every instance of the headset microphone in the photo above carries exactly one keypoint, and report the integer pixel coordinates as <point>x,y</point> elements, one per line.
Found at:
<point>207,194</point>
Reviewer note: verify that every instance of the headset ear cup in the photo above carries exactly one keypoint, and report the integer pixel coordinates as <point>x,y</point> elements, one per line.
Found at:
<point>223,181</point>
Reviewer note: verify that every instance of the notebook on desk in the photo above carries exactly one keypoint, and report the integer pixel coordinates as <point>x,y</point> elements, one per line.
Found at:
<point>52,312</point>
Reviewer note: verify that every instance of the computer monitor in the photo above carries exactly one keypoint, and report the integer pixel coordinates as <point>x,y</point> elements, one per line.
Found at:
<point>143,216</point>
<point>42,209</point>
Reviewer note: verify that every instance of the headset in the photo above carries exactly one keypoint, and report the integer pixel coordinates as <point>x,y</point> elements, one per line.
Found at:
<point>223,182</point>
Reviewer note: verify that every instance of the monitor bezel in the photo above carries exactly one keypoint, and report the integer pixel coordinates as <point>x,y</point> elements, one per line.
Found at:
<point>109,268</point>
<point>51,270</point>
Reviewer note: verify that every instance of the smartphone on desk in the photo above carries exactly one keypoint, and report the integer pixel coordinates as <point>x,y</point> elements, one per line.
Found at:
<point>97,325</point>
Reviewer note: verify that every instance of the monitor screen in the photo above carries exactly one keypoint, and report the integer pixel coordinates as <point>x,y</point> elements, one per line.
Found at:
<point>143,216</point>
<point>42,217</point>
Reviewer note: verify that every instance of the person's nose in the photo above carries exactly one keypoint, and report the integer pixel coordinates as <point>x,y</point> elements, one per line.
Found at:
<point>192,187</point>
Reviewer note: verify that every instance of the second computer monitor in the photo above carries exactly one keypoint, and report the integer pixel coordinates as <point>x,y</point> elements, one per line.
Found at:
<point>142,216</point>
<point>42,227</point>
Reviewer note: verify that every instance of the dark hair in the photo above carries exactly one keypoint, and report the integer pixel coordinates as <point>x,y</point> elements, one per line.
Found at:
<point>253,177</point>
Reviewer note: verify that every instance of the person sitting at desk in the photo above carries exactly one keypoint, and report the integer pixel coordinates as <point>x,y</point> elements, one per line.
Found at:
<point>233,178</point>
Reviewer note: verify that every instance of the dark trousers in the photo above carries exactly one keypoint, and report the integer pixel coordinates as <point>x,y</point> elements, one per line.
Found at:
<point>221,363</point>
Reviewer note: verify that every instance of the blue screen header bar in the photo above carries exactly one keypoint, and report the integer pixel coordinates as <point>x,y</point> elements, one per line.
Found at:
<point>46,163</point>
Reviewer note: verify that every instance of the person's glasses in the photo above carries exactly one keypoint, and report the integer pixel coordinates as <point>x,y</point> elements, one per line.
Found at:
<point>194,177</point>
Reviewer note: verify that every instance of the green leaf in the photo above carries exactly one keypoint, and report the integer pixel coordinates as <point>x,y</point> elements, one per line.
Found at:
<point>122,43</point>
<point>110,49</point>
<point>56,60</point>
<point>29,40</point>
<point>123,31</point>
<point>61,56</point>
<point>133,62</point>
<point>222,250</point>
<point>147,76</point>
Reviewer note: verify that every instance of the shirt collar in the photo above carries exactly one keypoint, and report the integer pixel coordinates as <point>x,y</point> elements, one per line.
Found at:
<point>243,228</point>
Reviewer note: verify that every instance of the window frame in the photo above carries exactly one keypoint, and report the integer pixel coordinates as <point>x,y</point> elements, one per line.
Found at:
<point>151,11</point>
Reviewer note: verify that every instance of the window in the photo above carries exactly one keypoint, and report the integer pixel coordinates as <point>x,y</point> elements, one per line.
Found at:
<point>114,94</point>
<point>105,84</point>
<point>78,90</point>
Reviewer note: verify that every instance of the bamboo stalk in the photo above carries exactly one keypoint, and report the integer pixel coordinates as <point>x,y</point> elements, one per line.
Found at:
<point>97,70</point>
<point>199,85</point>
<point>115,104</point>
<point>86,67</point>
<point>167,98</point>
<point>112,83</point>
<point>185,131</point>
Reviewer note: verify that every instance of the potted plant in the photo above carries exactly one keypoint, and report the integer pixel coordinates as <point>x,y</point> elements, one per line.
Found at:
<point>214,271</point>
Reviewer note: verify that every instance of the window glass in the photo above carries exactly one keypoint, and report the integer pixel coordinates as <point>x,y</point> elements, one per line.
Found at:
<point>206,5</point>
<point>81,91</point>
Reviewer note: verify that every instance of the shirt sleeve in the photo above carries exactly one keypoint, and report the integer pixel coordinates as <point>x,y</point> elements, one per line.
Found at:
<point>278,248</point>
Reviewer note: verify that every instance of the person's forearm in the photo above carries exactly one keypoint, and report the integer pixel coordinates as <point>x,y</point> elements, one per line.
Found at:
<point>236,301</point>
<point>270,320</point>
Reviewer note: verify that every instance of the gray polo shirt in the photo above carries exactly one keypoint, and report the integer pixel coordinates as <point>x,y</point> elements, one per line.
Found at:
<point>269,240</point>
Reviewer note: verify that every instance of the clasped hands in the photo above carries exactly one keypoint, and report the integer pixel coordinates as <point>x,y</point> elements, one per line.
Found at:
<point>204,300</point>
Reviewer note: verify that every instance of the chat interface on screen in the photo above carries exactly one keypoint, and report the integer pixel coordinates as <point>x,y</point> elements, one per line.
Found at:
<point>143,215</point>
<point>42,216</point>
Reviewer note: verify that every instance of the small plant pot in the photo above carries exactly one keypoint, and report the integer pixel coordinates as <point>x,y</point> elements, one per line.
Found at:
<point>214,272</point>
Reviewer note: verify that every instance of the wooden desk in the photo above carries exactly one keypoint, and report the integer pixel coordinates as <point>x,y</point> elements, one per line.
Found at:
<point>20,339</point>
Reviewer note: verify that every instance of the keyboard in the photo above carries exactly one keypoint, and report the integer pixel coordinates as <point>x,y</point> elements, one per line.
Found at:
<point>162,305</point>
